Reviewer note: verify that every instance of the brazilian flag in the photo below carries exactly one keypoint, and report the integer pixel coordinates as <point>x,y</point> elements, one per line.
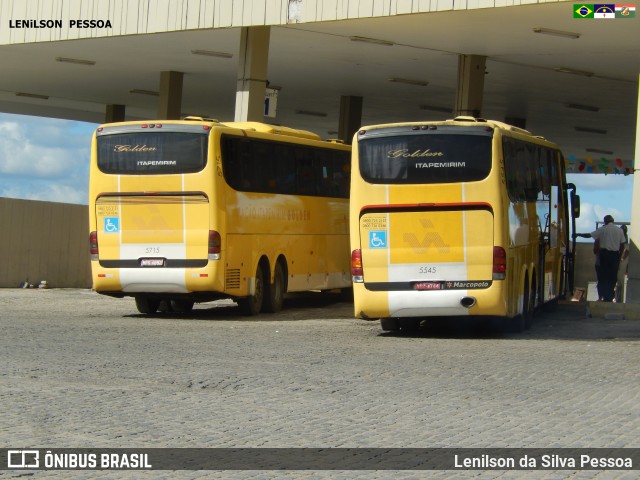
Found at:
<point>583,10</point>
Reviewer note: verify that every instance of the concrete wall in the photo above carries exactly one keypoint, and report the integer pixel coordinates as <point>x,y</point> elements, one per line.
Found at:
<point>585,261</point>
<point>135,17</point>
<point>44,241</point>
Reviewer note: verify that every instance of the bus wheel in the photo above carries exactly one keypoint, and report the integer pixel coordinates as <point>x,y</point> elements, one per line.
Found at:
<point>410,325</point>
<point>275,295</point>
<point>531,309</point>
<point>183,306</point>
<point>145,304</point>
<point>390,324</point>
<point>513,324</point>
<point>252,304</point>
<point>518,323</point>
<point>346,294</point>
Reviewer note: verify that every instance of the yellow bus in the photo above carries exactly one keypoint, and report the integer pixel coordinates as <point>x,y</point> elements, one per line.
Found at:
<point>195,210</point>
<point>464,217</point>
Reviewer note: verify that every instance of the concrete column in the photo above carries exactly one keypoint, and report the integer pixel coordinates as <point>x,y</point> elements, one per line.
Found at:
<point>633,283</point>
<point>114,113</point>
<point>252,74</point>
<point>350,117</point>
<point>470,85</point>
<point>170,100</point>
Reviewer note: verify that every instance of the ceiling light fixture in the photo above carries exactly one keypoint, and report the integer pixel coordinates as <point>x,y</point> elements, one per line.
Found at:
<point>556,33</point>
<point>375,41</point>
<point>590,130</point>
<point>597,150</point>
<point>571,71</point>
<point>210,53</point>
<point>587,108</point>
<point>75,60</point>
<point>435,108</point>
<point>310,113</point>
<point>408,81</point>
<point>32,95</point>
<point>145,92</point>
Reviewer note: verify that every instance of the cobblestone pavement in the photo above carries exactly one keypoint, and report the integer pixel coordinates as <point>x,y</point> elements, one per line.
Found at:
<point>82,370</point>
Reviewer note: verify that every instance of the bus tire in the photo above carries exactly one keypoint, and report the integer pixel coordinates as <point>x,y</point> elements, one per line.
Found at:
<point>513,324</point>
<point>252,304</point>
<point>410,325</point>
<point>518,323</point>
<point>275,295</point>
<point>532,306</point>
<point>146,304</point>
<point>390,324</point>
<point>346,294</point>
<point>182,306</point>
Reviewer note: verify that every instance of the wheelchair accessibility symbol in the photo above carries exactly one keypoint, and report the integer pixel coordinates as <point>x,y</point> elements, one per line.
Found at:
<point>111,225</point>
<point>378,239</point>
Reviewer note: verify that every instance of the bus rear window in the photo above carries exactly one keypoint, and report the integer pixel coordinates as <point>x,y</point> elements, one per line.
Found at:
<point>152,153</point>
<point>425,157</point>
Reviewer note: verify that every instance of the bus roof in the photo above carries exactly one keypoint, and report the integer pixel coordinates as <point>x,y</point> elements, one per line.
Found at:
<point>461,121</point>
<point>274,129</point>
<point>245,126</point>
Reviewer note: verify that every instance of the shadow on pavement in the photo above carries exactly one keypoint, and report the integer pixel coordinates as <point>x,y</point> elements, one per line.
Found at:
<point>560,322</point>
<point>297,306</point>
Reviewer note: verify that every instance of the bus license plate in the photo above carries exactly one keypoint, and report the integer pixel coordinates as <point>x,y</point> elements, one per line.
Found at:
<point>152,262</point>
<point>428,286</point>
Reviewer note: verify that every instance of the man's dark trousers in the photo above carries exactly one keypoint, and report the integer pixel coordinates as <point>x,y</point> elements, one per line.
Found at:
<point>609,262</point>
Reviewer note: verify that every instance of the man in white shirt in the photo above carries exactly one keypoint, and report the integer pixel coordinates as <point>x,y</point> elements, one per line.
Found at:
<point>612,242</point>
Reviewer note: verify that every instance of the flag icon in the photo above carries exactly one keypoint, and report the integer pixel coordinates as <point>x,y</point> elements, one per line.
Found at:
<point>625,10</point>
<point>604,10</point>
<point>582,10</point>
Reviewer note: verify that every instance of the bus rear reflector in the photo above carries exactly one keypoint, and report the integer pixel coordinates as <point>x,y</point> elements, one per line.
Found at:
<point>356,266</point>
<point>499,263</point>
<point>215,243</point>
<point>93,245</point>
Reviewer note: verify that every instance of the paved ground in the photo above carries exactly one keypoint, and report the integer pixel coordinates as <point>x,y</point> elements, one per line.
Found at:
<point>81,370</point>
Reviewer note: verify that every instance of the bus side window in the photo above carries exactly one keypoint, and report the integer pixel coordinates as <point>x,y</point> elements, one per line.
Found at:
<point>265,166</point>
<point>305,174</point>
<point>545,173</point>
<point>236,159</point>
<point>531,186</point>
<point>284,169</point>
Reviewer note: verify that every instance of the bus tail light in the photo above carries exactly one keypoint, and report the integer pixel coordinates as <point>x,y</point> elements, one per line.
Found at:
<point>499,263</point>
<point>214,245</point>
<point>93,245</point>
<point>357,274</point>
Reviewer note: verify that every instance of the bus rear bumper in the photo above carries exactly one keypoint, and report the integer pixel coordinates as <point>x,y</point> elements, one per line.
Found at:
<point>410,303</point>
<point>130,281</point>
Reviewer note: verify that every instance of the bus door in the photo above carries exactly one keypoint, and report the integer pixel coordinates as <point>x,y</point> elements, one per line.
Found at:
<point>550,223</point>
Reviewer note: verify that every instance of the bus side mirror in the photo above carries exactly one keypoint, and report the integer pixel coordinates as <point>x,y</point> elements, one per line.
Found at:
<point>575,204</point>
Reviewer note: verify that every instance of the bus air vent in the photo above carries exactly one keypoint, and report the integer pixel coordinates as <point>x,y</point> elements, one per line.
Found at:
<point>232,280</point>
<point>192,118</point>
<point>466,118</point>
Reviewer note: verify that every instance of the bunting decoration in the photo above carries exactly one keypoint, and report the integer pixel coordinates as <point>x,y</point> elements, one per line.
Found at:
<point>601,165</point>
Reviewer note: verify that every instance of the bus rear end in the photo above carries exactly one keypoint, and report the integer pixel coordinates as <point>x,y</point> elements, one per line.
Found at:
<point>423,215</point>
<point>151,193</point>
